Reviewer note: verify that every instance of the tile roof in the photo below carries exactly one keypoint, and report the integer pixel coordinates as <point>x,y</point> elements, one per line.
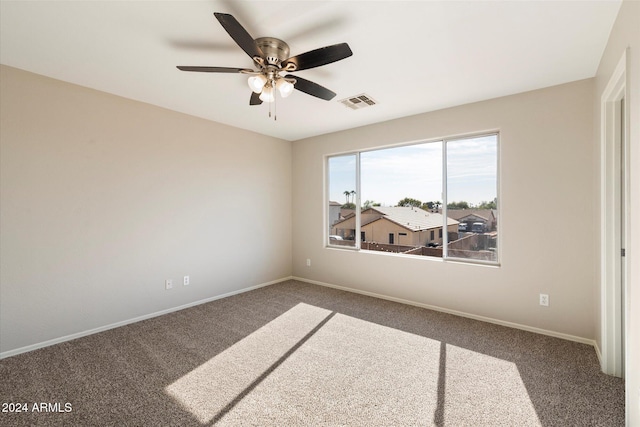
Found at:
<point>486,214</point>
<point>413,218</point>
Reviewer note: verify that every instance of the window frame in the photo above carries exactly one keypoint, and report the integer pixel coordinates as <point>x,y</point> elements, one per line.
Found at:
<point>327,184</point>
<point>445,235</point>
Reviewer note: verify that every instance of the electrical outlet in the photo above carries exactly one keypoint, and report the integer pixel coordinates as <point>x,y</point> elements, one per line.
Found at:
<point>185,280</point>
<point>168,284</point>
<point>544,300</point>
<point>308,262</point>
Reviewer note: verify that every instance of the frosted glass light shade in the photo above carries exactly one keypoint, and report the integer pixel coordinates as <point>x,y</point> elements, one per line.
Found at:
<point>267,94</point>
<point>284,87</point>
<point>257,82</point>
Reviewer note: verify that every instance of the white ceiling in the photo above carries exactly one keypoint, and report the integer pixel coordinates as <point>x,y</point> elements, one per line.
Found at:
<point>411,57</point>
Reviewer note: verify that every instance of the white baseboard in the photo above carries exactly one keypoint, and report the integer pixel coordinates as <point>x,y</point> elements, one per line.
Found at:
<point>598,353</point>
<point>70,337</point>
<point>460,313</point>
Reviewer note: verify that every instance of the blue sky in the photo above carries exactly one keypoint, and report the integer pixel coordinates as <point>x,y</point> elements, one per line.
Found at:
<point>415,171</point>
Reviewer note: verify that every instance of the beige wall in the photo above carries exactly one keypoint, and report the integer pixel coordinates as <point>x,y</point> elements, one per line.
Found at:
<point>546,160</point>
<point>626,34</point>
<point>410,238</point>
<point>378,231</point>
<point>104,198</point>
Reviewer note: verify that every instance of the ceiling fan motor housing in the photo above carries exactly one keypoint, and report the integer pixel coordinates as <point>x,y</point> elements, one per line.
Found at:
<point>275,50</point>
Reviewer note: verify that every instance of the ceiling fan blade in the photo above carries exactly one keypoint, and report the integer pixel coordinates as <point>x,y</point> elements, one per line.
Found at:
<point>255,99</point>
<point>239,34</point>
<point>213,69</point>
<point>311,88</point>
<point>321,56</point>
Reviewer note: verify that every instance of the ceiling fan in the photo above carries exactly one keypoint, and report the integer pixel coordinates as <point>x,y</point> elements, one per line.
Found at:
<point>271,55</point>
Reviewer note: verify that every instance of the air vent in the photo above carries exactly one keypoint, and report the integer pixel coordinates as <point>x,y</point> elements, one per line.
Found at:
<point>358,102</point>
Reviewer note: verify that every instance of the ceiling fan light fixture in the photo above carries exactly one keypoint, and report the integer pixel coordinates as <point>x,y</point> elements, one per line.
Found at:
<point>257,82</point>
<point>285,87</point>
<point>267,94</point>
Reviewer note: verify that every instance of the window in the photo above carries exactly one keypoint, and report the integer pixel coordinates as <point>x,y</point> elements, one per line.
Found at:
<point>413,192</point>
<point>342,185</point>
<point>472,196</point>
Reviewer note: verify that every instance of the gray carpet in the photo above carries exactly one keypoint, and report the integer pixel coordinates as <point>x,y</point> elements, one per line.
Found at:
<point>300,354</point>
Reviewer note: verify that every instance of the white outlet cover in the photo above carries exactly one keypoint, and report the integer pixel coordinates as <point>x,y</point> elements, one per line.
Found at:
<point>185,280</point>
<point>168,284</point>
<point>544,300</point>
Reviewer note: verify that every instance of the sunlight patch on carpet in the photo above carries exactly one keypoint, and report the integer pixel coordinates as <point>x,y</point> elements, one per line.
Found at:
<point>206,390</point>
<point>310,366</point>
<point>351,372</point>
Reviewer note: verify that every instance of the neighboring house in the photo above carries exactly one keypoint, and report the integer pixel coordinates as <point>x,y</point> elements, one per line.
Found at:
<point>345,228</point>
<point>334,212</point>
<point>468,216</point>
<point>408,226</point>
<point>346,212</point>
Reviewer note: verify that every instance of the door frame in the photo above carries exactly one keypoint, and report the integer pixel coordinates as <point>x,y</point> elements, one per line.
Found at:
<point>614,218</point>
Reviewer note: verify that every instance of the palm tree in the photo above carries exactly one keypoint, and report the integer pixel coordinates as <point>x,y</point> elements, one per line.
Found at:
<point>353,195</point>
<point>347,193</point>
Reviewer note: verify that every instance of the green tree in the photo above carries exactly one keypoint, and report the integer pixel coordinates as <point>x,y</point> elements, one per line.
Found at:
<point>489,205</point>
<point>458,205</point>
<point>408,201</point>
<point>369,203</point>
<point>347,193</point>
<point>431,205</point>
<point>349,196</point>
